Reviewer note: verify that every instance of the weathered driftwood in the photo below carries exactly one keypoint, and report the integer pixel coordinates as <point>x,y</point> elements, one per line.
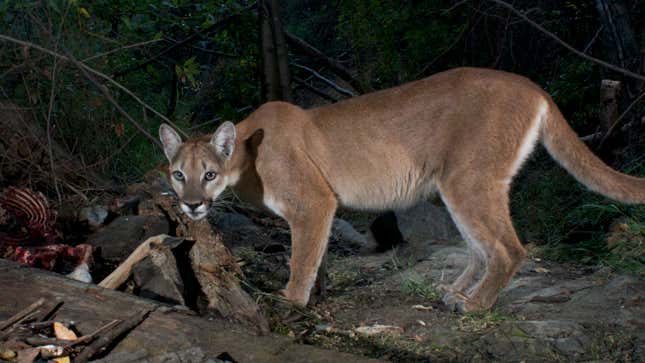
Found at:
<point>214,266</point>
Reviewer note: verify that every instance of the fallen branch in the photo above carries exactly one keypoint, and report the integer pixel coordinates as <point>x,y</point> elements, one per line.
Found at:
<point>93,335</point>
<point>104,341</point>
<point>124,270</point>
<point>567,45</point>
<point>19,316</point>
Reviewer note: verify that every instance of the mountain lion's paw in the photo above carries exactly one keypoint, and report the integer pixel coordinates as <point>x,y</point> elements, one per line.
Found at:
<point>295,297</point>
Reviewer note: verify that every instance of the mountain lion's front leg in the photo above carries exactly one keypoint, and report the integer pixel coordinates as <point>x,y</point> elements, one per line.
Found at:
<point>295,189</point>
<point>309,237</point>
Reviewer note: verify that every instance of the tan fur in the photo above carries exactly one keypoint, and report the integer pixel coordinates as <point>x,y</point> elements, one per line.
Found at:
<point>464,133</point>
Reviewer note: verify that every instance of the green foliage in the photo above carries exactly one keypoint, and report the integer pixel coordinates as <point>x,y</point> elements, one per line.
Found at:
<point>394,40</point>
<point>416,285</point>
<point>215,73</point>
<point>554,211</point>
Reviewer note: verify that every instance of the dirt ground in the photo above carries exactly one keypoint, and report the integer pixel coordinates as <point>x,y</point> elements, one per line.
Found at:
<point>549,312</point>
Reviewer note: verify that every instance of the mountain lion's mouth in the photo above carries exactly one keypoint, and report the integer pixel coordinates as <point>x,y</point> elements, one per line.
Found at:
<point>196,215</point>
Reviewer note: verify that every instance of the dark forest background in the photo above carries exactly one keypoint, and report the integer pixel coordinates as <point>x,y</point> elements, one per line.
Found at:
<point>90,79</point>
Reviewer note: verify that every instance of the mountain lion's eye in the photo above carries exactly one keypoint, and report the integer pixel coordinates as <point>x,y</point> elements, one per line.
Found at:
<point>178,175</point>
<point>210,175</point>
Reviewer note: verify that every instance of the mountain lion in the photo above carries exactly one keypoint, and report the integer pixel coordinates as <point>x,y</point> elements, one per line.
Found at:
<point>463,133</point>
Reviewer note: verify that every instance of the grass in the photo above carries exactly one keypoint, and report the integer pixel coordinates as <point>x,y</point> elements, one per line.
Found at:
<point>482,320</point>
<point>416,285</point>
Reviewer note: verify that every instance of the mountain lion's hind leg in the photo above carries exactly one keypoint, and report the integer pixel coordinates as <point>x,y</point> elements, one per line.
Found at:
<point>483,217</point>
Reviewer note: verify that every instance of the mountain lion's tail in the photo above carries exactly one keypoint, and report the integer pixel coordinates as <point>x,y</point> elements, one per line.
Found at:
<point>564,146</point>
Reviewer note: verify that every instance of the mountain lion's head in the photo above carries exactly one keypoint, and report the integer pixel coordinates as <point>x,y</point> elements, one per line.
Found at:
<point>200,169</point>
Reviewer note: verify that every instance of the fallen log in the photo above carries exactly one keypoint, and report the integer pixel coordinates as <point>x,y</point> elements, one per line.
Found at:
<point>165,331</point>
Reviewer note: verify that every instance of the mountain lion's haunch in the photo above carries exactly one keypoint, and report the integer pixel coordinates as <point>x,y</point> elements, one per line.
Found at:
<point>463,133</point>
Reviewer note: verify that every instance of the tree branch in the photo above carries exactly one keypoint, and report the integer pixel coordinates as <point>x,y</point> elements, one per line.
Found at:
<point>336,67</point>
<point>334,85</point>
<point>568,46</point>
<point>315,90</point>
<point>135,45</point>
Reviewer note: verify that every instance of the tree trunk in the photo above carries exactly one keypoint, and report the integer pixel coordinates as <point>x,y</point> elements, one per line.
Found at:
<point>275,78</point>
<point>622,48</point>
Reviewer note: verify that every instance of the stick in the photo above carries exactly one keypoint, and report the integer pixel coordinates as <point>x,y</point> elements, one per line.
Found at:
<point>118,276</point>
<point>135,45</point>
<point>106,340</point>
<point>90,337</point>
<point>566,45</point>
<point>21,314</point>
<point>51,313</point>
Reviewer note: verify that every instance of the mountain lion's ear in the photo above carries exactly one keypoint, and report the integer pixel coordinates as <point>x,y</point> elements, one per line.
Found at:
<point>170,140</point>
<point>224,139</point>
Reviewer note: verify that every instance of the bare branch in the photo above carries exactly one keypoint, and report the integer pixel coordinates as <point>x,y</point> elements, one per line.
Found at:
<point>567,45</point>
<point>336,67</point>
<point>135,45</point>
<point>50,150</point>
<point>331,83</point>
<point>315,90</point>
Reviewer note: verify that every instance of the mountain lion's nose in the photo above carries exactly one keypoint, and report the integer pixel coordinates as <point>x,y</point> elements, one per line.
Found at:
<point>193,206</point>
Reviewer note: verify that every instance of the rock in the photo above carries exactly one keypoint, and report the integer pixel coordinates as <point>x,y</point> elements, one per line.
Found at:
<point>158,278</point>
<point>118,239</point>
<point>420,226</point>
<point>519,340</point>
<point>345,231</point>
<point>94,215</point>
<point>426,222</point>
<point>81,273</point>
<point>378,329</point>
<point>238,230</point>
